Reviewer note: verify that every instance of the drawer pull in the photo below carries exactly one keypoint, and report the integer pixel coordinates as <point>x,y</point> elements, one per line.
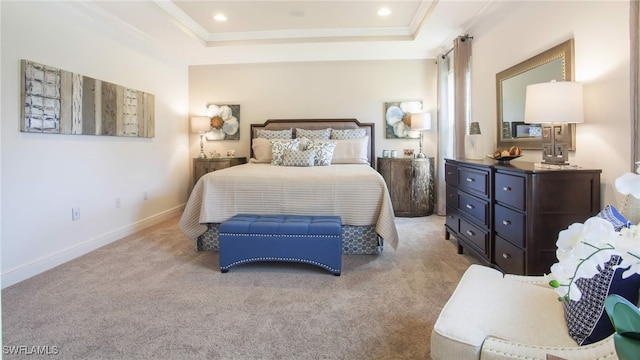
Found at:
<point>470,207</point>
<point>471,179</point>
<point>506,256</point>
<point>470,233</point>
<point>506,222</point>
<point>506,188</point>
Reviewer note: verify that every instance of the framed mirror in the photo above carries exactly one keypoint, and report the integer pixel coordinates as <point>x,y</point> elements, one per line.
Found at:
<point>553,64</point>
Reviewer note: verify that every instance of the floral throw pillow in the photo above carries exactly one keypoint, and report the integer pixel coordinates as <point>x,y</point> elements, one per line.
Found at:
<point>324,152</point>
<point>278,146</point>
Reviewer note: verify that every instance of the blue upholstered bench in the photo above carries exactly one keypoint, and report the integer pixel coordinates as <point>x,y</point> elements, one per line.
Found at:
<point>315,240</point>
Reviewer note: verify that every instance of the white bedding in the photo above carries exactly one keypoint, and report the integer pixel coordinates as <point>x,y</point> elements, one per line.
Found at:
<point>356,192</point>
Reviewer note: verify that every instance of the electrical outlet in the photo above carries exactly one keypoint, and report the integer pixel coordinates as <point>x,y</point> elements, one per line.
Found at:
<point>75,214</point>
<point>118,202</point>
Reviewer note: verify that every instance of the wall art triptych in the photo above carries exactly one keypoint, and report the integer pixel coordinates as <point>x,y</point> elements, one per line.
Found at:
<point>56,101</point>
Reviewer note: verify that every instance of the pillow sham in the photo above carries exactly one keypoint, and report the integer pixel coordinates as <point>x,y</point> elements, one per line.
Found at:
<point>324,152</point>
<point>262,150</point>
<point>298,158</point>
<point>322,134</point>
<point>351,151</point>
<point>344,134</point>
<point>275,134</point>
<point>278,146</point>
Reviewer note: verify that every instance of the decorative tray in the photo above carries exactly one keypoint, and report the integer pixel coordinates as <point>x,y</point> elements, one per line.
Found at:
<point>504,158</point>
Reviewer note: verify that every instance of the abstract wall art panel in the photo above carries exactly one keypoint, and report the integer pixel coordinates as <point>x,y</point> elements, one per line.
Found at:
<point>56,101</point>
<point>397,119</point>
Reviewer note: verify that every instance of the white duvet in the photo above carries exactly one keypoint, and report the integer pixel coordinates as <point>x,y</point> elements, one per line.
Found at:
<point>356,192</point>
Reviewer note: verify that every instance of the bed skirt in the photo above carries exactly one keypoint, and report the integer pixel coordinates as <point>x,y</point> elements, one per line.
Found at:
<point>356,240</point>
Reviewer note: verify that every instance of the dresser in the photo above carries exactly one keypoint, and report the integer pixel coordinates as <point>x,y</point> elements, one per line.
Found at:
<point>204,166</point>
<point>509,214</point>
<point>410,182</point>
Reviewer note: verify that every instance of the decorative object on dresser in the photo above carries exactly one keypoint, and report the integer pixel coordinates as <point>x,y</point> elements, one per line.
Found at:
<point>421,122</point>
<point>200,125</point>
<point>509,214</point>
<point>204,166</point>
<point>410,183</point>
<point>555,105</point>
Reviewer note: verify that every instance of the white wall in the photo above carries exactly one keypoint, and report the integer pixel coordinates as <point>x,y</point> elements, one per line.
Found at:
<point>45,176</point>
<point>304,90</point>
<point>519,30</point>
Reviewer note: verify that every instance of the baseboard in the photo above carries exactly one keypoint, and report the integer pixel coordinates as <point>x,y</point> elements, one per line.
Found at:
<point>41,265</point>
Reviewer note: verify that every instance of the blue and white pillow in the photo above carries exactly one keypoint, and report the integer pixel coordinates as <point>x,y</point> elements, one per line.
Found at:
<point>346,134</point>
<point>616,219</point>
<point>586,319</point>
<point>278,146</point>
<point>324,152</point>
<point>275,134</point>
<point>298,158</point>
<point>322,134</point>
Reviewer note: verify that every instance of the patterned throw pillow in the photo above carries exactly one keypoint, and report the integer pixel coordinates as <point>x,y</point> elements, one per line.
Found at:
<point>324,152</point>
<point>275,134</point>
<point>616,219</point>
<point>322,134</point>
<point>278,146</point>
<point>348,134</point>
<point>298,158</point>
<point>586,319</point>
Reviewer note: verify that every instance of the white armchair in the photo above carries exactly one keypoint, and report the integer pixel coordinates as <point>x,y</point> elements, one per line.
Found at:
<point>496,316</point>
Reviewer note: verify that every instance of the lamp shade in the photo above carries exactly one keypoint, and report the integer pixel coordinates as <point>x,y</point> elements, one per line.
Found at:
<point>200,124</point>
<point>421,121</point>
<point>554,102</point>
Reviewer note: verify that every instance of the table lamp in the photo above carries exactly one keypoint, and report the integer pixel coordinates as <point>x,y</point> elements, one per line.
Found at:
<point>421,122</point>
<point>554,105</point>
<point>200,125</point>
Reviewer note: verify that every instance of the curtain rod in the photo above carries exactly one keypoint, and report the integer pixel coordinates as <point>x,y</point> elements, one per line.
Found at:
<point>464,37</point>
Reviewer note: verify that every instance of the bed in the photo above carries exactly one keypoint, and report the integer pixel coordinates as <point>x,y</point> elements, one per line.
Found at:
<point>349,187</point>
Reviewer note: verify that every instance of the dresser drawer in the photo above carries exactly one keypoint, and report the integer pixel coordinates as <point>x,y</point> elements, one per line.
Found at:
<point>475,235</point>
<point>451,174</point>
<point>474,207</point>
<point>509,224</point>
<point>452,220</point>
<point>452,196</point>
<point>509,257</point>
<point>475,181</point>
<point>510,190</point>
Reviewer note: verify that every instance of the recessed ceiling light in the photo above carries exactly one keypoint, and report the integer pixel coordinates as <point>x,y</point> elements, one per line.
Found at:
<point>384,12</point>
<point>220,17</point>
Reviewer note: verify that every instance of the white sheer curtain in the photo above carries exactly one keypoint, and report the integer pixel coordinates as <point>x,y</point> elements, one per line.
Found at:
<point>634,34</point>
<point>454,106</point>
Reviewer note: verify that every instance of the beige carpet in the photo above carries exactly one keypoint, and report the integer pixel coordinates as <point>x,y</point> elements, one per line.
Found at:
<point>151,296</point>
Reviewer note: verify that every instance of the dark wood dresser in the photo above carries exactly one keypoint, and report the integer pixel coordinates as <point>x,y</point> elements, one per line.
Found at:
<point>509,214</point>
<point>410,183</point>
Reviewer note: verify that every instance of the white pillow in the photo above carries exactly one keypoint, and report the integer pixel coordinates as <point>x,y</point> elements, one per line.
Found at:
<point>351,151</point>
<point>262,150</point>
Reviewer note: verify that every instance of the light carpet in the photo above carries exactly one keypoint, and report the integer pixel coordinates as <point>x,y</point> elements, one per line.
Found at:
<point>151,296</point>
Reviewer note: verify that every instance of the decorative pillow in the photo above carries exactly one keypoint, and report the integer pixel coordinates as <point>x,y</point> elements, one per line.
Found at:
<point>305,144</point>
<point>278,147</point>
<point>262,150</point>
<point>298,158</point>
<point>322,134</point>
<point>616,219</point>
<point>275,134</point>
<point>324,152</point>
<point>348,134</point>
<point>351,151</point>
<point>586,319</point>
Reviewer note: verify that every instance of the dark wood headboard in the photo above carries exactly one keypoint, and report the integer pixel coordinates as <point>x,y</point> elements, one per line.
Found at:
<point>315,124</point>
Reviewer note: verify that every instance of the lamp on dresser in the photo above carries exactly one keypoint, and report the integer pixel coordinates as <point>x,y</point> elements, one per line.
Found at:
<point>555,105</point>
<point>421,122</point>
<point>200,125</point>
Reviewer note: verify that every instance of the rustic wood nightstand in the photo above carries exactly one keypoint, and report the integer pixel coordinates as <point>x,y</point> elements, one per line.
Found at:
<point>204,166</point>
